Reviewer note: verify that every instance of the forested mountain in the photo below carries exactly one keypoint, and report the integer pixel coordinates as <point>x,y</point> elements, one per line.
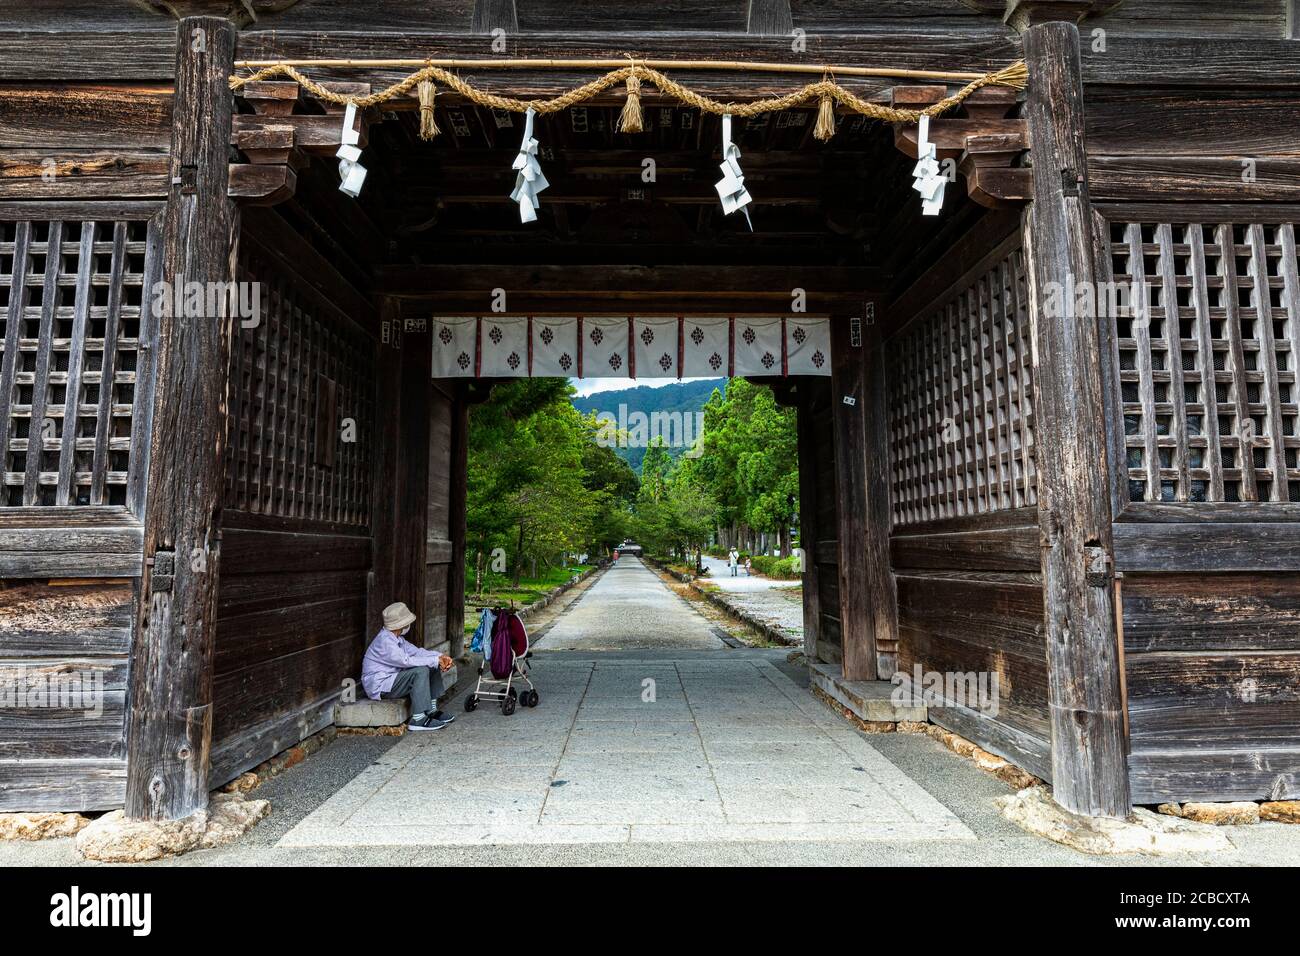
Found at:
<point>680,398</point>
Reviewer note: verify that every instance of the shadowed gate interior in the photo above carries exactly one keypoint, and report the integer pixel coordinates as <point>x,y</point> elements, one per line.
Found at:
<point>353,288</point>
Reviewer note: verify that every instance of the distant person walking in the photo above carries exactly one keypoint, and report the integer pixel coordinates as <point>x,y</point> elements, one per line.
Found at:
<point>733,560</point>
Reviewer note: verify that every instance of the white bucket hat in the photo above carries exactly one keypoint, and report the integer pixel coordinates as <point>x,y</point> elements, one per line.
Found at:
<point>398,616</point>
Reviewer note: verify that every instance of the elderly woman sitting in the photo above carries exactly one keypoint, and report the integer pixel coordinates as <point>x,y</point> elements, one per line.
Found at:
<point>394,667</point>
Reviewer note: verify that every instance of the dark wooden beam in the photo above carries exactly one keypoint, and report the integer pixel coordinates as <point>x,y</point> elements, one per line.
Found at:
<point>29,56</point>
<point>488,189</point>
<point>1199,178</point>
<point>683,303</point>
<point>849,395</point>
<point>82,174</point>
<point>1219,62</point>
<point>170,722</point>
<point>972,50</point>
<point>1089,763</point>
<point>644,281</point>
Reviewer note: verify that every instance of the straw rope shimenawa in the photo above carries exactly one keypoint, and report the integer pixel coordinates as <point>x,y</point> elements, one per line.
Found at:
<point>825,91</point>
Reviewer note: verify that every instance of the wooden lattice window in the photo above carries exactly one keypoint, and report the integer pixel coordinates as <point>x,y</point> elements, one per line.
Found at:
<point>1208,369</point>
<point>73,307</point>
<point>302,404</point>
<point>960,402</point>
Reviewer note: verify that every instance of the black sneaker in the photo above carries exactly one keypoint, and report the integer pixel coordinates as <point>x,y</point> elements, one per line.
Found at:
<point>426,722</point>
<point>443,716</point>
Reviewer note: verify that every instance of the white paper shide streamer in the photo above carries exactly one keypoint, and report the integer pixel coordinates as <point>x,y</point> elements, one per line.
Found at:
<point>731,188</point>
<point>351,172</point>
<point>929,179</point>
<point>530,181</point>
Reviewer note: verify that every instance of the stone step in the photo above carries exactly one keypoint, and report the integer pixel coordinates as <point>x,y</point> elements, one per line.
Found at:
<point>365,712</point>
<point>869,700</point>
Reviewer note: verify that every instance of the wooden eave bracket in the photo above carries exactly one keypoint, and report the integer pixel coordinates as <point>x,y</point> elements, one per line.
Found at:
<point>278,142</point>
<point>986,142</point>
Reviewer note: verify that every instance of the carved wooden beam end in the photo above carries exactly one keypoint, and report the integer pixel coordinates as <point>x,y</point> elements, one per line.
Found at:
<point>277,142</point>
<point>985,141</point>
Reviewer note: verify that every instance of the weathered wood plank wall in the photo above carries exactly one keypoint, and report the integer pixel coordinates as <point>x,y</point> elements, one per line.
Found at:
<point>1201,403</point>
<point>1204,409</point>
<point>963,488</point>
<point>823,640</point>
<point>75,401</point>
<point>299,495</point>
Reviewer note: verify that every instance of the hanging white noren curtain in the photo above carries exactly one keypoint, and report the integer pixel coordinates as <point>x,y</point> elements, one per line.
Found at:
<point>706,346</point>
<point>807,345</point>
<point>616,346</point>
<point>758,345</point>
<point>604,347</point>
<point>655,341</point>
<point>555,346</point>
<point>503,346</point>
<point>454,349</point>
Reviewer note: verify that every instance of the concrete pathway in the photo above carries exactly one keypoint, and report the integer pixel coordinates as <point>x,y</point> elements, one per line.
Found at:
<point>720,574</point>
<point>629,607</point>
<point>692,747</point>
<point>666,735</point>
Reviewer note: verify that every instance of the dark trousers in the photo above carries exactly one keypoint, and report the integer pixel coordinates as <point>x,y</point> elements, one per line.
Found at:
<point>422,684</point>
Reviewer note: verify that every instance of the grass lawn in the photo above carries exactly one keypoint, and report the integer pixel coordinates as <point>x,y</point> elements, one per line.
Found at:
<point>499,590</point>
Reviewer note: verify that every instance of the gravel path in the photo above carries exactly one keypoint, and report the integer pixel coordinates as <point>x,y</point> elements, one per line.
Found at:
<point>629,608</point>
<point>778,604</point>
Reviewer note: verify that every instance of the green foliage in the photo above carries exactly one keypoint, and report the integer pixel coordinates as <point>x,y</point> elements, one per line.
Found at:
<point>542,487</point>
<point>750,459</point>
<point>746,472</point>
<point>538,484</point>
<point>785,569</point>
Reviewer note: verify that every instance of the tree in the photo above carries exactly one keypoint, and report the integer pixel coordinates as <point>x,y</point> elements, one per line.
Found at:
<point>538,484</point>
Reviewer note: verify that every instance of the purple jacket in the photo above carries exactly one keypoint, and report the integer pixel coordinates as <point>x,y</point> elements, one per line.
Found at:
<point>387,656</point>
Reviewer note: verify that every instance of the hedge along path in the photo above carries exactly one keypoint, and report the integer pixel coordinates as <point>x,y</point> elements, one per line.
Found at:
<point>826,90</point>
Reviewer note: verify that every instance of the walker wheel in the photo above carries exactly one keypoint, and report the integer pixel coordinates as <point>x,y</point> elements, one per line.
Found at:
<point>508,706</point>
<point>513,693</point>
<point>532,698</point>
<point>471,703</point>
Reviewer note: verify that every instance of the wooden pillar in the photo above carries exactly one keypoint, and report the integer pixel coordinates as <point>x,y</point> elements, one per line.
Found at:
<point>383,513</point>
<point>170,725</point>
<point>849,410</point>
<point>881,589</point>
<point>808,532</point>
<point>456,520</point>
<point>1089,769</point>
<point>411,496</point>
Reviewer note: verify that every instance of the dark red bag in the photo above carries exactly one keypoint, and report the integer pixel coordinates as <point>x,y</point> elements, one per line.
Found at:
<point>508,640</point>
<point>502,658</point>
